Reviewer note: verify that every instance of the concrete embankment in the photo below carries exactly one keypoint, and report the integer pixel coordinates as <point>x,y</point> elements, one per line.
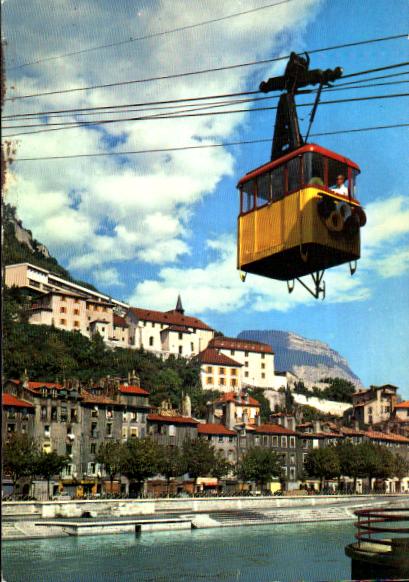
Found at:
<point>48,519</point>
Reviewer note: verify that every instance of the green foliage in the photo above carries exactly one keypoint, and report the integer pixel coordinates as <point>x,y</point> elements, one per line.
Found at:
<point>309,413</point>
<point>339,389</point>
<point>400,467</point>
<point>139,459</point>
<point>199,456</point>
<point>300,388</point>
<point>289,401</point>
<point>260,465</point>
<point>49,464</point>
<point>265,409</point>
<point>323,464</point>
<point>172,462</point>
<point>109,456</point>
<point>221,466</point>
<point>46,353</point>
<point>19,457</point>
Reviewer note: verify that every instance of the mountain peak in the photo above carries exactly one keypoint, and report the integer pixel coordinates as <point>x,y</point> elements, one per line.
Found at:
<point>311,360</point>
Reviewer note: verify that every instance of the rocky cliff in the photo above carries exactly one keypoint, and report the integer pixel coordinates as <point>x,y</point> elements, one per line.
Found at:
<point>310,360</point>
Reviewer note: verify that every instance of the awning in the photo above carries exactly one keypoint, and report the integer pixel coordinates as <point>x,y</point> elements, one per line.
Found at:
<point>209,481</point>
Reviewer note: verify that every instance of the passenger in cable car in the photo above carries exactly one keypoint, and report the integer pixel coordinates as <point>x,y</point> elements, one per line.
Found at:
<point>340,186</point>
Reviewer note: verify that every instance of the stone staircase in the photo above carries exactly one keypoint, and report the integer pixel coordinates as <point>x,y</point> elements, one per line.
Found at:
<point>281,516</point>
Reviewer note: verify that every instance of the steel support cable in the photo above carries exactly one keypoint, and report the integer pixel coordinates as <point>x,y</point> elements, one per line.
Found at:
<point>179,115</point>
<point>148,36</point>
<point>215,104</point>
<point>203,146</point>
<point>200,72</point>
<point>193,99</point>
<point>129,108</point>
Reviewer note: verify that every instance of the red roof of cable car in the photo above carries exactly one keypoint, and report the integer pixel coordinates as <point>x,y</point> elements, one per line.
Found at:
<point>311,147</point>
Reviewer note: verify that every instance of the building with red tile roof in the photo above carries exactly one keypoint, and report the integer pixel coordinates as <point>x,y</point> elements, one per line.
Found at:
<point>137,390</point>
<point>211,428</point>
<point>256,358</point>
<point>170,332</point>
<point>10,400</point>
<point>218,371</point>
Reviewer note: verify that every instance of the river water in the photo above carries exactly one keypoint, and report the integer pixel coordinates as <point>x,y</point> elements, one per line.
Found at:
<point>287,553</point>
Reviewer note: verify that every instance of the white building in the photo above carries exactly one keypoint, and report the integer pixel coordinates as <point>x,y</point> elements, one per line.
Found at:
<point>219,372</point>
<point>256,359</point>
<point>169,332</point>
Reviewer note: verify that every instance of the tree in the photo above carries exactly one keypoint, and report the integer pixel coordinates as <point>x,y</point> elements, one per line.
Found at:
<point>400,468</point>
<point>323,464</point>
<point>19,456</point>
<point>289,401</point>
<point>338,389</point>
<point>351,461</point>
<point>109,456</point>
<point>260,465</point>
<point>199,456</point>
<point>371,461</point>
<point>139,460</point>
<point>49,464</point>
<point>265,409</point>
<point>172,463</point>
<point>221,466</point>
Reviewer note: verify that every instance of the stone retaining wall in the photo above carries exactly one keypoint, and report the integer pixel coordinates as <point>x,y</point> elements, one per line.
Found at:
<point>129,507</point>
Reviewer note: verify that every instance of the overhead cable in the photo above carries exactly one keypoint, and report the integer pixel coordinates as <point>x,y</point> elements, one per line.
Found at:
<point>147,36</point>
<point>183,115</point>
<point>200,72</point>
<point>203,146</point>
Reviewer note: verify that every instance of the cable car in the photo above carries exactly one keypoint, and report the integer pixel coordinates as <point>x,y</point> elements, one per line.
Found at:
<point>295,219</point>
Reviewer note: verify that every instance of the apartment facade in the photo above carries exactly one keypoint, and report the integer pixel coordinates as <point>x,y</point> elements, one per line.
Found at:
<point>374,405</point>
<point>256,359</point>
<point>219,372</point>
<point>169,332</point>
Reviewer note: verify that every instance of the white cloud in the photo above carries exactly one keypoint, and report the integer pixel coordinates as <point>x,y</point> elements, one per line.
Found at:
<point>108,276</point>
<point>217,287</point>
<point>148,198</point>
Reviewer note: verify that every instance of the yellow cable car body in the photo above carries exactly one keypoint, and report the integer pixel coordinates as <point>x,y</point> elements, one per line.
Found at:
<point>291,222</point>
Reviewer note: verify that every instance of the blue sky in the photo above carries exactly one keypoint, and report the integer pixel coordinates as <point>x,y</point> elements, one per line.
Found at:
<point>144,228</point>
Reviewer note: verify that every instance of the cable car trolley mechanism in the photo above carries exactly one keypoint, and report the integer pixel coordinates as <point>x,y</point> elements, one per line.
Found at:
<point>298,212</point>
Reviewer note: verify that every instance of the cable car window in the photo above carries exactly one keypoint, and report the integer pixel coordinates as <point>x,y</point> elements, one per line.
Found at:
<point>293,168</point>
<point>353,189</point>
<point>263,189</point>
<point>277,183</point>
<point>248,196</point>
<point>314,169</point>
<point>336,169</point>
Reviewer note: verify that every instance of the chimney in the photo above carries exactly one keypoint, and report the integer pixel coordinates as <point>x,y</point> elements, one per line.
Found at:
<point>210,413</point>
<point>285,421</point>
<point>291,422</point>
<point>258,420</point>
<point>316,425</point>
<point>230,409</point>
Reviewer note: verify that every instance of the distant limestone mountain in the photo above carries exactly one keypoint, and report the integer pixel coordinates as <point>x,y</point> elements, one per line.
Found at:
<point>310,360</point>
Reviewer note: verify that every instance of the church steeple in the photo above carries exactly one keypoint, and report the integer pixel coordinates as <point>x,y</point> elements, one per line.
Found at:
<point>179,306</point>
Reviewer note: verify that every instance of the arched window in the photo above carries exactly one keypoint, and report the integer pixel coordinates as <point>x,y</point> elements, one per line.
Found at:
<point>151,340</point>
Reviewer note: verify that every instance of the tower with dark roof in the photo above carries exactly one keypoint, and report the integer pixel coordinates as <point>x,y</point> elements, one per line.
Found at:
<point>179,306</point>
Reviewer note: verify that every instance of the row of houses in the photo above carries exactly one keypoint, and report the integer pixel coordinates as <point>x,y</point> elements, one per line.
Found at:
<point>226,363</point>
<point>74,421</point>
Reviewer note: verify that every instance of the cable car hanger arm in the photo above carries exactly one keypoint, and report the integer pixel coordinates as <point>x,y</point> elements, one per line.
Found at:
<point>287,135</point>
